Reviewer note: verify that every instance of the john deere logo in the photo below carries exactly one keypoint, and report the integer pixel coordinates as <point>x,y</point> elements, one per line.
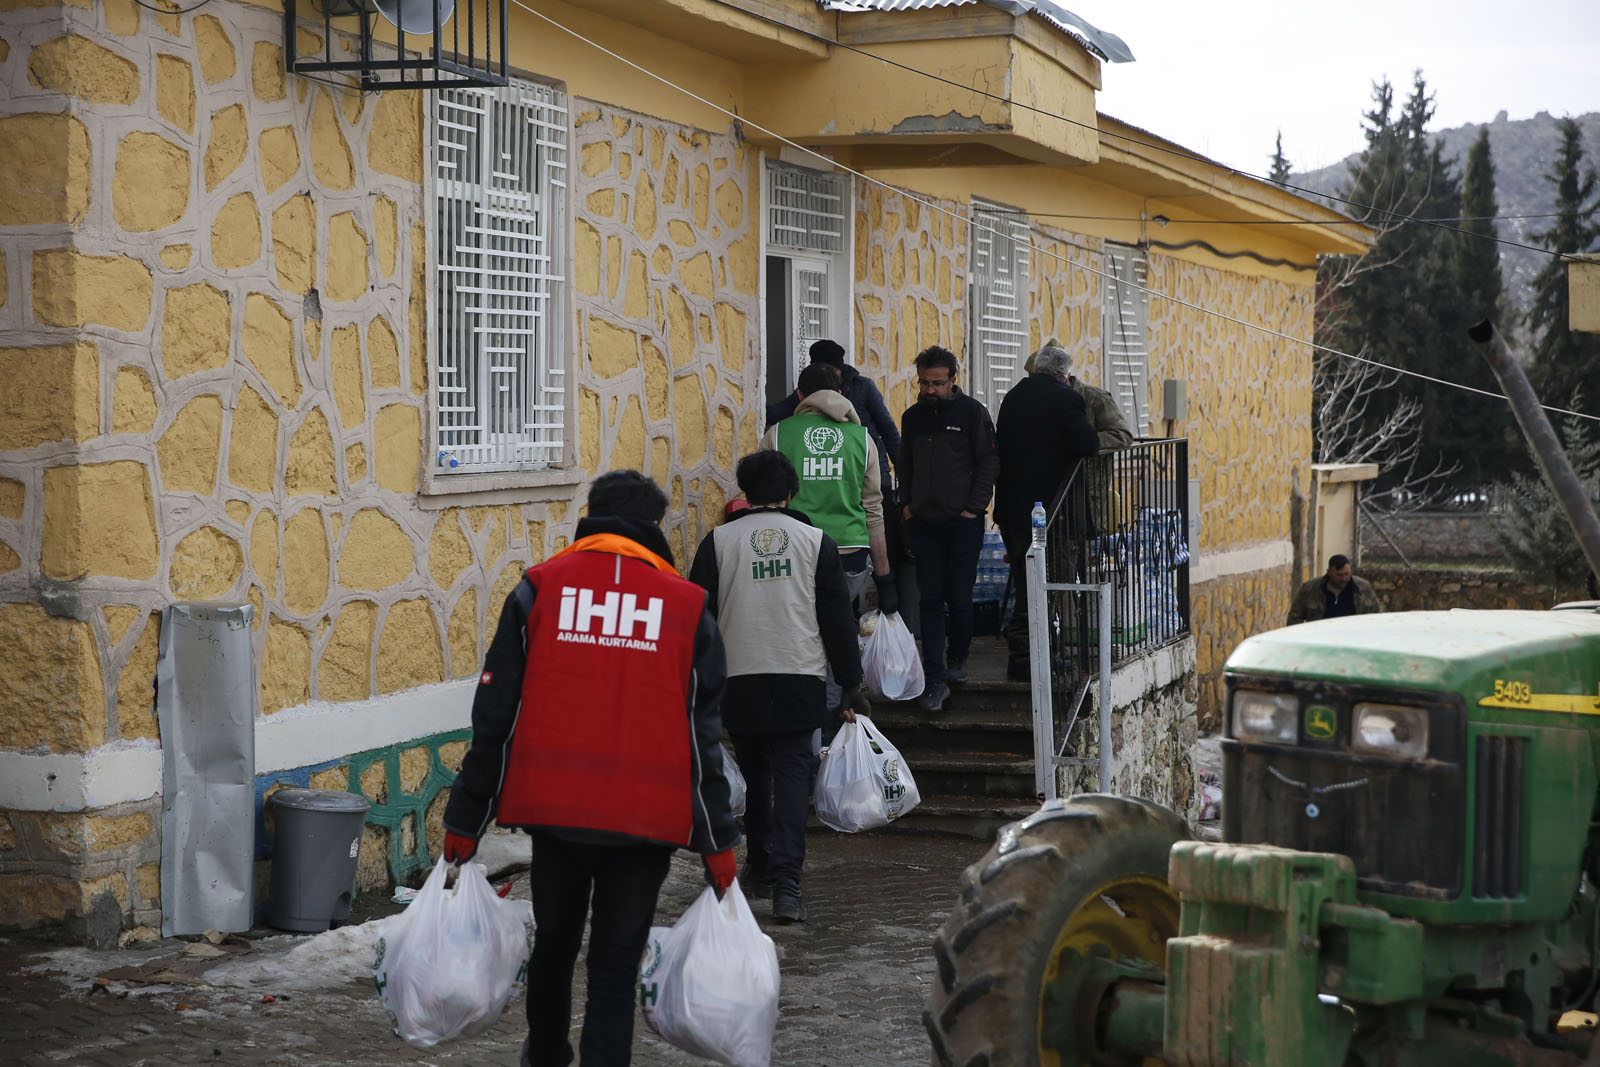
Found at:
<point>767,543</point>
<point>824,440</point>
<point>1321,722</point>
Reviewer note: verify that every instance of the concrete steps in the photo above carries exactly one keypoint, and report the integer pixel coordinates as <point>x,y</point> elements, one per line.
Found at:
<point>973,761</point>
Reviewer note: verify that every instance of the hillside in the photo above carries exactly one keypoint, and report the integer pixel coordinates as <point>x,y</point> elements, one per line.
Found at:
<point>1524,151</point>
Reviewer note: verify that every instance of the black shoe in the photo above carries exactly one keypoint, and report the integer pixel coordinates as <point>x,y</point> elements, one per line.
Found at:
<point>933,697</point>
<point>756,886</point>
<point>1019,671</point>
<point>956,672</point>
<point>787,907</point>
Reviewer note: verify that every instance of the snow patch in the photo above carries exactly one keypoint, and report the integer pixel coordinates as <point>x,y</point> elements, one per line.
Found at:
<point>290,962</point>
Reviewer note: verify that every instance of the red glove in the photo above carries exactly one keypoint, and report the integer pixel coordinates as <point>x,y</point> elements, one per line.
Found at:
<point>721,870</point>
<point>459,848</point>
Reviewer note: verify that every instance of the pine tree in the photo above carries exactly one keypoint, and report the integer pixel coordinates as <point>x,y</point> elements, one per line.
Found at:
<point>1279,174</point>
<point>1564,361</point>
<point>1398,304</point>
<point>1480,433</point>
<point>1533,528</point>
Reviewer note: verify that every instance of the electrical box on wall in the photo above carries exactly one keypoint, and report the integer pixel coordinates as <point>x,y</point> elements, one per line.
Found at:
<point>1175,399</point>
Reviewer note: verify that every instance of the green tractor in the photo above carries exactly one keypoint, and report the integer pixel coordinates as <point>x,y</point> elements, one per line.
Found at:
<point>1411,874</point>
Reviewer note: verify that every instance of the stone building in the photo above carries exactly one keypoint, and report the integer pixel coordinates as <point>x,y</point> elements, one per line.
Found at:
<point>271,340</point>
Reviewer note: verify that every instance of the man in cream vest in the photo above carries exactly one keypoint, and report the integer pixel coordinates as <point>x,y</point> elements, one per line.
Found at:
<point>777,590</point>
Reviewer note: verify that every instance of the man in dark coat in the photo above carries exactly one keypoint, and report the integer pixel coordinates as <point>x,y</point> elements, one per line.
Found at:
<point>1042,432</point>
<point>777,589</point>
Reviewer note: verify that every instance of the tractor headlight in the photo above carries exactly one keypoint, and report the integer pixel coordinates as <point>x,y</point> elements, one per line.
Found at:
<point>1393,730</point>
<point>1269,717</point>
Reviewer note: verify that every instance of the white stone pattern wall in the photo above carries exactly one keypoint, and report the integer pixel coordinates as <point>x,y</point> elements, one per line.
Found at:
<point>245,278</point>
<point>1065,297</point>
<point>665,278</point>
<point>910,286</point>
<point>1153,731</point>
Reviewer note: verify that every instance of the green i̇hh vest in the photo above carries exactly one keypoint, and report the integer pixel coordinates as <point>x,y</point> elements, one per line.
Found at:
<point>831,460</point>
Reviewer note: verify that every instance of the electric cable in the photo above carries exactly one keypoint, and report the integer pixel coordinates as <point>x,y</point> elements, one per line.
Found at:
<point>941,209</point>
<point>1169,149</point>
<point>172,10</point>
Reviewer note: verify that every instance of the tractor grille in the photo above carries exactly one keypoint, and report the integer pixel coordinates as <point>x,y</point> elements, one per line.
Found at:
<point>1403,827</point>
<point>1497,828</point>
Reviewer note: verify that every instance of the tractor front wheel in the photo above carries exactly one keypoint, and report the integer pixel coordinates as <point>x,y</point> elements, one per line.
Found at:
<point>1087,874</point>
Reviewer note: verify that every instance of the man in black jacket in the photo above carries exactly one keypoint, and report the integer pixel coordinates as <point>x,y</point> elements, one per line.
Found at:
<point>1041,433</point>
<point>947,469</point>
<point>777,589</point>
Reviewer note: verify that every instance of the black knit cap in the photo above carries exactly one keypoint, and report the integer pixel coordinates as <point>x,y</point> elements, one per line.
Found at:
<point>826,351</point>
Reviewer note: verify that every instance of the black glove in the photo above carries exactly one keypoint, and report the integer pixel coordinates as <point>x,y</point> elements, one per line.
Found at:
<point>854,703</point>
<point>888,593</point>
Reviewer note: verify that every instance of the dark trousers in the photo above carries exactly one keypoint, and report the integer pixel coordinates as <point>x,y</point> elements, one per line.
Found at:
<point>625,880</point>
<point>1018,540</point>
<point>947,567</point>
<point>777,772</point>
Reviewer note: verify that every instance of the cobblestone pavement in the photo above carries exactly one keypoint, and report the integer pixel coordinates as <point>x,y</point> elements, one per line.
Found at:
<point>854,980</point>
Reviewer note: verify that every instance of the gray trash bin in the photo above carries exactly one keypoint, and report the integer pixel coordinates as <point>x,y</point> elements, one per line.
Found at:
<point>318,842</point>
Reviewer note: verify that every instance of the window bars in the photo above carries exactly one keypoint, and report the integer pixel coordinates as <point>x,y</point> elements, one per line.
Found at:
<point>500,194</point>
<point>1124,330</point>
<point>422,44</point>
<point>999,301</point>
<point>807,209</point>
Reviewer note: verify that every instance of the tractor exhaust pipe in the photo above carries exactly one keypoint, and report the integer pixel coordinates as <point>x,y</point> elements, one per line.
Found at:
<point>1542,441</point>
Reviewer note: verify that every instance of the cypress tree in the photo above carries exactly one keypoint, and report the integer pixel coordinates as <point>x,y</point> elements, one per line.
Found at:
<point>1481,435</point>
<point>1279,173</point>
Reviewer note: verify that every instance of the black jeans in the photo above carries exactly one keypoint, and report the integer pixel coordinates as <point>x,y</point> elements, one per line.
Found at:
<point>625,880</point>
<point>947,567</point>
<point>777,776</point>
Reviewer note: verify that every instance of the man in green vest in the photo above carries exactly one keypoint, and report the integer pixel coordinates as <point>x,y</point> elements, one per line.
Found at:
<point>840,490</point>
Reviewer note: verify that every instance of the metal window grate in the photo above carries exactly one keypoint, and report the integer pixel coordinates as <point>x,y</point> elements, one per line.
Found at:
<point>999,294</point>
<point>1124,331</point>
<point>807,209</point>
<point>500,191</point>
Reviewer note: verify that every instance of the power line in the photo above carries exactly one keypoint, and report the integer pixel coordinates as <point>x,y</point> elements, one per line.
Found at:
<point>1170,150</point>
<point>940,208</point>
<point>1164,219</point>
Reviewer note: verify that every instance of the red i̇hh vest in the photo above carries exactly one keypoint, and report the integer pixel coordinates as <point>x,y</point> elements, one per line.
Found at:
<point>604,739</point>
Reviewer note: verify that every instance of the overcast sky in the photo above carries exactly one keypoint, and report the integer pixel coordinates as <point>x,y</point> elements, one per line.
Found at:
<point>1223,78</point>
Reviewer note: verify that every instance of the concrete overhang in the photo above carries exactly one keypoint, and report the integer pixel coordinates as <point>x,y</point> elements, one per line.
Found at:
<point>740,30</point>
<point>1178,184</point>
<point>883,98</point>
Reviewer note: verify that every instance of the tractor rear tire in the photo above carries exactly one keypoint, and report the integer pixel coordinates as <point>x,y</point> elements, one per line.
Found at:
<point>1088,873</point>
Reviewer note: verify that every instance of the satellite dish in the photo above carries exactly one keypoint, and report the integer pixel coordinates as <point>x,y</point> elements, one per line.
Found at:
<point>417,16</point>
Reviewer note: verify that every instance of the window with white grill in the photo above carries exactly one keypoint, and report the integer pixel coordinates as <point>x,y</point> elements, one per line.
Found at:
<point>1124,322</point>
<point>997,305</point>
<point>808,229</point>
<point>499,385</point>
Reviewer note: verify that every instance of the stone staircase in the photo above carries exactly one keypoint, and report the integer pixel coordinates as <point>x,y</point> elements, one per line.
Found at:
<point>973,761</point>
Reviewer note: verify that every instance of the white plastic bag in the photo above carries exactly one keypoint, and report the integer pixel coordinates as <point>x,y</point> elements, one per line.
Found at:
<point>736,786</point>
<point>863,781</point>
<point>890,662</point>
<point>709,983</point>
<point>446,966</point>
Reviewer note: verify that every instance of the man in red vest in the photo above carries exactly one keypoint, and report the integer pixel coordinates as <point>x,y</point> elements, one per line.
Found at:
<point>597,727</point>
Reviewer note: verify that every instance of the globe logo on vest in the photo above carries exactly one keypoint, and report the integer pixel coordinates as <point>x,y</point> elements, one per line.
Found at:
<point>822,442</point>
<point>769,543</point>
<point>618,615</point>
